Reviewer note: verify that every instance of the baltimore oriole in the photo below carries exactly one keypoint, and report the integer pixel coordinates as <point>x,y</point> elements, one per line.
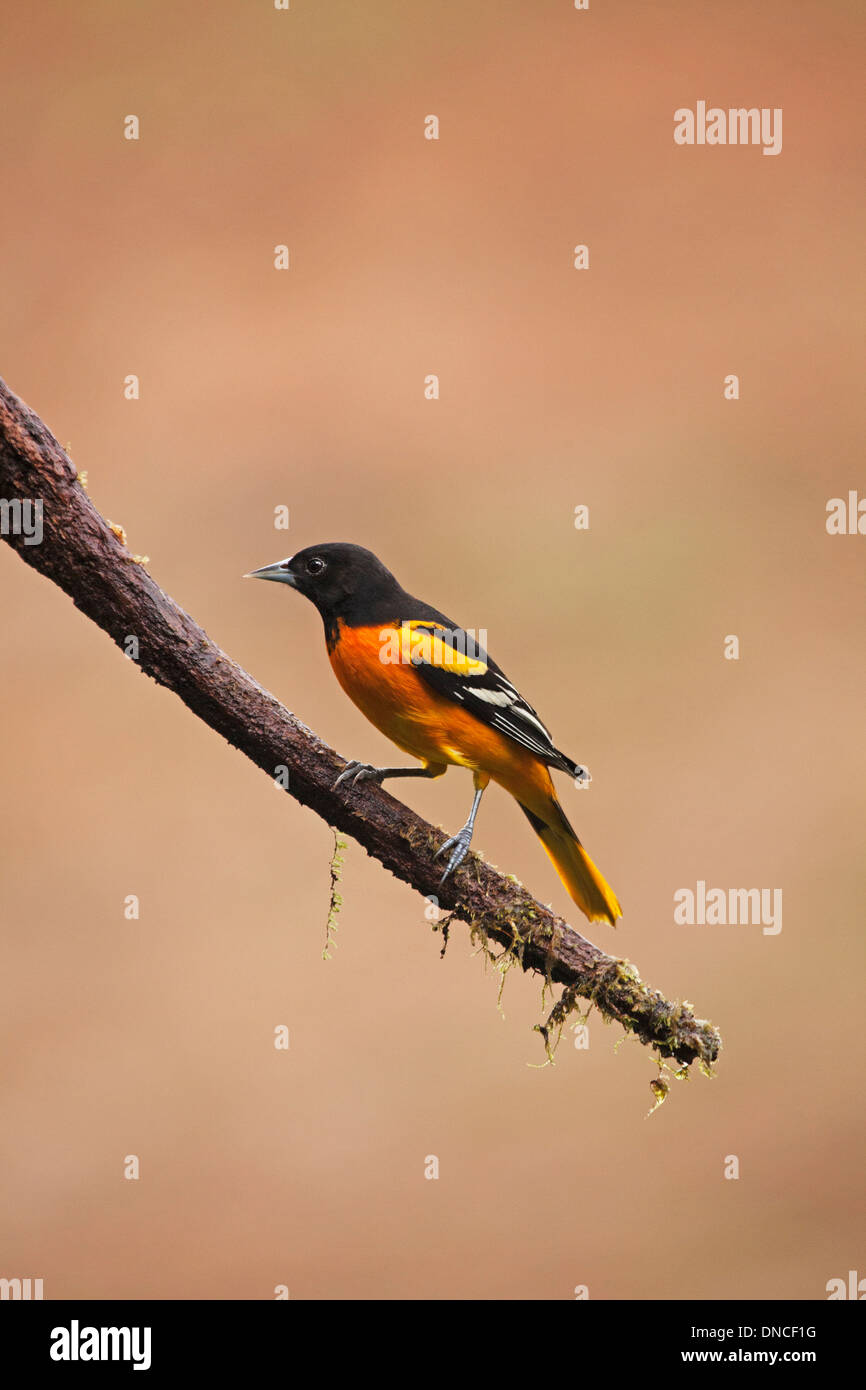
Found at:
<point>433,691</point>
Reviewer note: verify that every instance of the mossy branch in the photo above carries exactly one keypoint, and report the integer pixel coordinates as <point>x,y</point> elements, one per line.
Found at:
<point>86,557</point>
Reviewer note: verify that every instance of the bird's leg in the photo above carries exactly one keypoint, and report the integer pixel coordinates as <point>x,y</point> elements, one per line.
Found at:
<point>363,772</point>
<point>459,843</point>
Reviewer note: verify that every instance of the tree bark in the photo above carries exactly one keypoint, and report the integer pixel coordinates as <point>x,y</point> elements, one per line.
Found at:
<point>88,559</point>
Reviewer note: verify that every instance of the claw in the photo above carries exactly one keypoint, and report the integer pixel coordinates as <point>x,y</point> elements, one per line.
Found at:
<point>582,778</point>
<point>357,772</point>
<point>461,842</point>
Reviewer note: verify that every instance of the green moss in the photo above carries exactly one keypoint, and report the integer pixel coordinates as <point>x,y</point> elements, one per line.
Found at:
<point>660,1090</point>
<point>612,986</point>
<point>335,900</point>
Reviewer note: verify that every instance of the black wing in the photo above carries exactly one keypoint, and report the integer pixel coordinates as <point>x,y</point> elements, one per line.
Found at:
<point>455,665</point>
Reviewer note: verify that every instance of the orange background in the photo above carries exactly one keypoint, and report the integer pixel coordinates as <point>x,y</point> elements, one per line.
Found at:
<point>558,387</point>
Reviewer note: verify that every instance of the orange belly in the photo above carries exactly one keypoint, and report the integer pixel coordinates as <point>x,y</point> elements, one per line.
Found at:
<point>425,724</point>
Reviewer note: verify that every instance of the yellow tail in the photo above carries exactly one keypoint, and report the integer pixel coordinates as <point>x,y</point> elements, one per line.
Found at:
<point>589,889</point>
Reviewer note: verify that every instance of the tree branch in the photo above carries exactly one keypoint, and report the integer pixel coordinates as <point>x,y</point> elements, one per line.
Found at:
<point>81,553</point>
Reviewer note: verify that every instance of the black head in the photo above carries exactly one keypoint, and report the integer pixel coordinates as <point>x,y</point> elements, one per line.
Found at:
<point>342,580</point>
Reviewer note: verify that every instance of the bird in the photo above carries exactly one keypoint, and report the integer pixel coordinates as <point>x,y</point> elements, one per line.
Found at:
<point>431,688</point>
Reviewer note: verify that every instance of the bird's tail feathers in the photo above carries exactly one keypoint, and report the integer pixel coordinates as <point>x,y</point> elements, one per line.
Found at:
<point>584,882</point>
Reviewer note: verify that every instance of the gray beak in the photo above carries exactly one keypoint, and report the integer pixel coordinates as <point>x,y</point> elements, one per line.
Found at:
<point>280,572</point>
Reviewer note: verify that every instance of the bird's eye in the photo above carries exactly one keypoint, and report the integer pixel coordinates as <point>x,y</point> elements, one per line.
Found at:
<point>316,565</point>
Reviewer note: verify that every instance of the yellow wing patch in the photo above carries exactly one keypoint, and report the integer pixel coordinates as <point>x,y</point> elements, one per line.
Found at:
<point>414,643</point>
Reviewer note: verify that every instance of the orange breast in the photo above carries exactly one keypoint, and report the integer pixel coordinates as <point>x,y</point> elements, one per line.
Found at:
<point>425,724</point>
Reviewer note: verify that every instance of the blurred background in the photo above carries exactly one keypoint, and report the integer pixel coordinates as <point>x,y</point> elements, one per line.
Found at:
<point>558,388</point>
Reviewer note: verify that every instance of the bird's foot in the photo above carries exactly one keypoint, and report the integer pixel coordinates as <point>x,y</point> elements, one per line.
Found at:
<point>582,778</point>
<point>358,772</point>
<point>459,845</point>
